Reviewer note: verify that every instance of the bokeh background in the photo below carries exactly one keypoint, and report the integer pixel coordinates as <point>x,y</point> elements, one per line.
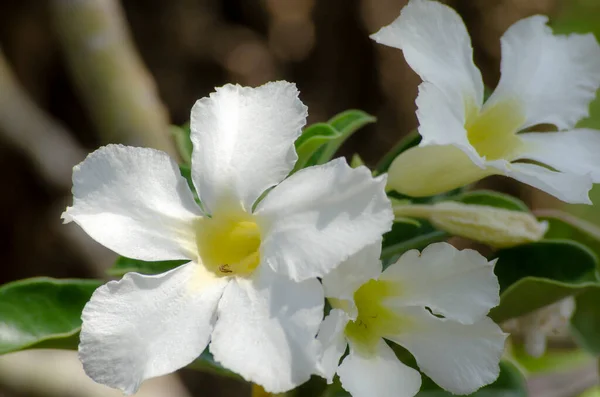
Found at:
<point>78,74</point>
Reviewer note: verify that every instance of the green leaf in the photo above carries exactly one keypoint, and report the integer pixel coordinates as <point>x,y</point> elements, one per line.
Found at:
<point>42,312</point>
<point>492,199</point>
<point>308,144</point>
<point>407,234</point>
<point>125,265</point>
<point>346,124</point>
<point>46,313</point>
<point>566,226</point>
<point>410,140</point>
<point>183,143</point>
<point>553,360</point>
<point>585,323</point>
<point>319,142</point>
<point>537,274</point>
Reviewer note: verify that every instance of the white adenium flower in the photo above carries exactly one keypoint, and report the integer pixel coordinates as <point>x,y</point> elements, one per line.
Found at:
<point>250,285</point>
<point>546,79</point>
<point>432,303</point>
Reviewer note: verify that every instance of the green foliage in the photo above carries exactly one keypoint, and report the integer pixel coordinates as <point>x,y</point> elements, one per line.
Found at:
<point>319,142</point>
<point>492,199</point>
<point>125,265</point>
<point>309,146</point>
<point>566,226</point>
<point>46,313</point>
<point>183,143</point>
<point>407,234</point>
<point>585,323</point>
<point>42,312</point>
<point>553,360</point>
<point>537,274</point>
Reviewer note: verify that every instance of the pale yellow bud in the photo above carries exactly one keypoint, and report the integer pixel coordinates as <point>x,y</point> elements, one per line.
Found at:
<point>429,170</point>
<point>493,226</point>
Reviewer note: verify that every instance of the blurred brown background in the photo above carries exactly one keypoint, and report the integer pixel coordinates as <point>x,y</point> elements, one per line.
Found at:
<point>77,74</point>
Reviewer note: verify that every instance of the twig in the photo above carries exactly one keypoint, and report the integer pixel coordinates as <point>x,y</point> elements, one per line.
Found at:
<point>118,91</point>
<point>43,140</point>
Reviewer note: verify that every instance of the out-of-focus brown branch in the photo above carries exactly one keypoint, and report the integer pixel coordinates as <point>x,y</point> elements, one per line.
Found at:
<point>117,89</point>
<point>45,142</point>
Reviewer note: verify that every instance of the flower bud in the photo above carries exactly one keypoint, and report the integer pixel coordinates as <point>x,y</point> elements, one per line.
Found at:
<point>497,227</point>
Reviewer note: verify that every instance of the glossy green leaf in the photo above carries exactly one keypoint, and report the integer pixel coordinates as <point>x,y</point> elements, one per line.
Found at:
<point>407,234</point>
<point>125,265</point>
<point>46,313</point>
<point>492,199</point>
<point>410,140</point>
<point>183,143</point>
<point>537,274</point>
<point>346,124</point>
<point>42,312</point>
<point>319,142</point>
<point>566,226</point>
<point>585,323</point>
<point>553,360</point>
<point>313,138</point>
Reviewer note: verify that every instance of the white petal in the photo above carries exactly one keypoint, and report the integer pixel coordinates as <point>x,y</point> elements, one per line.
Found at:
<point>320,216</point>
<point>146,326</point>
<point>244,141</point>
<point>266,329</point>
<point>344,280</point>
<point>381,375</point>
<point>460,358</point>
<point>576,151</point>
<point>442,121</point>
<point>437,46</point>
<point>568,187</point>
<point>556,77</point>
<point>460,285</point>
<point>333,343</point>
<point>135,202</point>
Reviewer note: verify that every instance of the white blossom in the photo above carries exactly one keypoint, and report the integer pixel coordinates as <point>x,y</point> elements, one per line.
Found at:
<point>250,286</point>
<point>432,303</point>
<point>545,79</point>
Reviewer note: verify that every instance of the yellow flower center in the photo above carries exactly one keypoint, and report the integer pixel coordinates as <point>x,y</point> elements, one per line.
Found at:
<point>374,319</point>
<point>493,131</point>
<point>229,244</point>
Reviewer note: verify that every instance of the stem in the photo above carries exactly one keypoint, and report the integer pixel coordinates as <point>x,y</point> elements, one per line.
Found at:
<point>117,89</point>
<point>44,140</point>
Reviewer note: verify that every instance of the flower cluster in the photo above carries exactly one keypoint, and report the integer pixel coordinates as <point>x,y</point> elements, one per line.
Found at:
<point>266,247</point>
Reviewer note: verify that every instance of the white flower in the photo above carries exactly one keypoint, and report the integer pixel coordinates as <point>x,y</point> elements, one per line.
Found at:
<point>250,285</point>
<point>546,79</point>
<point>432,303</point>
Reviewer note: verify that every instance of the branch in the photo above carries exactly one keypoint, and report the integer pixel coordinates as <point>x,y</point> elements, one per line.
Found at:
<point>46,142</point>
<point>117,89</point>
